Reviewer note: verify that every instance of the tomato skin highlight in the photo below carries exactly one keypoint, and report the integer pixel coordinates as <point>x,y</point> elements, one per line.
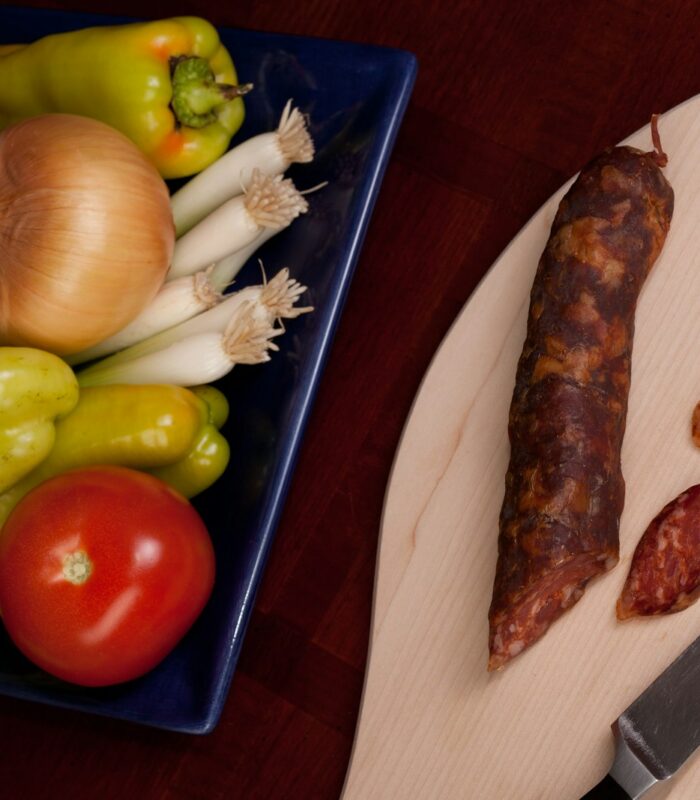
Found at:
<point>102,572</point>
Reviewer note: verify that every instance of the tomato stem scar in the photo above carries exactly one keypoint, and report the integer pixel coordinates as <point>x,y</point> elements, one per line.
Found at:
<point>77,567</point>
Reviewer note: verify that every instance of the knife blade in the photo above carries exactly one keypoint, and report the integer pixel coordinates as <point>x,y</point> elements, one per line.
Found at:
<point>655,735</point>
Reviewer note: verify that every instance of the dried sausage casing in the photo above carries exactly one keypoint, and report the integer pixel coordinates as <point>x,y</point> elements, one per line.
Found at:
<point>564,487</point>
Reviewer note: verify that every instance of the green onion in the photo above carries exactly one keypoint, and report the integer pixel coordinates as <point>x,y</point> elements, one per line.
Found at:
<point>265,304</point>
<point>269,202</point>
<point>199,359</point>
<point>224,271</point>
<point>177,301</point>
<point>272,153</point>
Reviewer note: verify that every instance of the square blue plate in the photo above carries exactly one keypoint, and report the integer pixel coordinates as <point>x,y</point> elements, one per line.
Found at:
<point>355,96</point>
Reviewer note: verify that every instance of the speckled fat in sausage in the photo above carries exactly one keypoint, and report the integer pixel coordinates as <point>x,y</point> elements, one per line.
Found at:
<point>664,576</point>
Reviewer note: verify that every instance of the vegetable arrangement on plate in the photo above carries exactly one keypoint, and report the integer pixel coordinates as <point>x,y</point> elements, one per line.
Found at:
<point>116,315</point>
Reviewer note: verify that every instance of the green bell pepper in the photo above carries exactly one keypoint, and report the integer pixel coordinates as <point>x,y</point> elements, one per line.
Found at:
<point>169,85</point>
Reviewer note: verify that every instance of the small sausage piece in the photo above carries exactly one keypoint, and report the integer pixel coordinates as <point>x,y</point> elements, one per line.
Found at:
<point>564,487</point>
<point>665,573</point>
<point>696,425</point>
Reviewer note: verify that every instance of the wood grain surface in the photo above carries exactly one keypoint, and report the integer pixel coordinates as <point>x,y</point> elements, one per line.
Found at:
<point>511,99</point>
<point>539,729</point>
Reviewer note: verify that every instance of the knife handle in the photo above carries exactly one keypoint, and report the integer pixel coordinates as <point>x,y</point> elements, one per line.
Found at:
<point>607,789</point>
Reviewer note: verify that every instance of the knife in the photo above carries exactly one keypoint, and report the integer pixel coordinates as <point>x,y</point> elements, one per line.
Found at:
<point>657,733</point>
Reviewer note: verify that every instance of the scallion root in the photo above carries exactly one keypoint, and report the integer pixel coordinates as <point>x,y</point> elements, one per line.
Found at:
<point>247,337</point>
<point>273,201</point>
<point>279,295</point>
<point>294,139</point>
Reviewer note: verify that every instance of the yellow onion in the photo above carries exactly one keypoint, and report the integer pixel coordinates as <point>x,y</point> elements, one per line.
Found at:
<point>86,232</point>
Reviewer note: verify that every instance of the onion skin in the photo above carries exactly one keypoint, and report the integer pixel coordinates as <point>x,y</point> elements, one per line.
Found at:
<point>86,232</point>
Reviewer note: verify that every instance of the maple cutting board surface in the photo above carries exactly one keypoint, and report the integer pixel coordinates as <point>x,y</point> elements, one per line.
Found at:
<point>433,723</point>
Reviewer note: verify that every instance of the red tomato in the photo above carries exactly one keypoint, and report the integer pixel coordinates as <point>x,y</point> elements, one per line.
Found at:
<point>102,571</point>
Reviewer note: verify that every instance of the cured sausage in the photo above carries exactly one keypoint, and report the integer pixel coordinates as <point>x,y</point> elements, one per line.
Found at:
<point>564,489</point>
<point>664,576</point>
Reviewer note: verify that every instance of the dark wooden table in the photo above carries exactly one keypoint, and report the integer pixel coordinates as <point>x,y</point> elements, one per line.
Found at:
<point>511,99</point>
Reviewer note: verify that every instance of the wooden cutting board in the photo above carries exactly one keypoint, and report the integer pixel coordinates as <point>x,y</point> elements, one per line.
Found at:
<point>433,723</point>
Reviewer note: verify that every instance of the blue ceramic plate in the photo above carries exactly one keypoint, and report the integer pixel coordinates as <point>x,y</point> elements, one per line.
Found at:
<point>355,96</point>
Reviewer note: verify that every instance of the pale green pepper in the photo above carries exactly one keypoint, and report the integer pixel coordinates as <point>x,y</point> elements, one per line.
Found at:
<point>209,455</point>
<point>36,388</point>
<point>169,85</point>
<point>217,402</point>
<point>152,428</point>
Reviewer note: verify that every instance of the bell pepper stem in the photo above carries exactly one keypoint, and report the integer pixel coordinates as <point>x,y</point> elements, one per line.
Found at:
<point>196,94</point>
